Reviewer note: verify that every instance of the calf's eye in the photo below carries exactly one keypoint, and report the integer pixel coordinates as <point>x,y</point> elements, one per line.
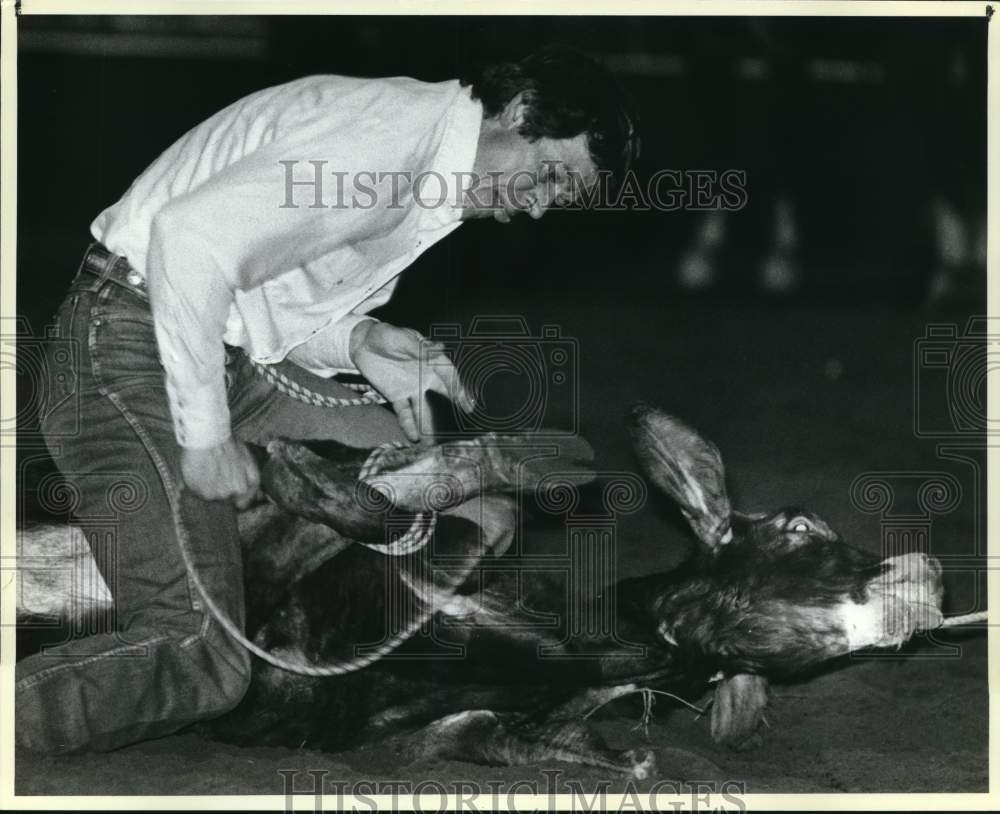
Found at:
<point>798,524</point>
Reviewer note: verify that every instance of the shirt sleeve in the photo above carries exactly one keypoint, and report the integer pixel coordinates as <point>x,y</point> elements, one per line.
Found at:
<point>252,221</point>
<point>327,352</point>
<point>190,298</point>
<point>230,233</point>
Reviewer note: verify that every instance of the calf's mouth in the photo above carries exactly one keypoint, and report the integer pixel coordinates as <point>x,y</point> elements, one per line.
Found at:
<point>903,599</point>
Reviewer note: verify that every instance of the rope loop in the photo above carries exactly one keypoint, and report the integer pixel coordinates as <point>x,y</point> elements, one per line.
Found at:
<point>414,539</point>
<point>420,531</point>
<point>302,393</point>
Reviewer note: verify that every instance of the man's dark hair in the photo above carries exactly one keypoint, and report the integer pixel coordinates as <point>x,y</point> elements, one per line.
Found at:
<point>567,93</point>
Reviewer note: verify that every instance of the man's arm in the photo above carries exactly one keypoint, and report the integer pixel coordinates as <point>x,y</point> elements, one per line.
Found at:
<point>328,352</point>
<point>190,299</point>
<point>231,233</point>
<point>398,362</point>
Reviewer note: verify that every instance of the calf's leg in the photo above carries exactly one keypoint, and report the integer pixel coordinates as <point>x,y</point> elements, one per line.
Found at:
<point>738,711</point>
<point>483,736</point>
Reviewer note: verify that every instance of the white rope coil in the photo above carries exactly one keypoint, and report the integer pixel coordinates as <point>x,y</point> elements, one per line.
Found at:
<point>415,539</point>
<point>301,393</point>
<point>349,665</point>
<point>423,524</point>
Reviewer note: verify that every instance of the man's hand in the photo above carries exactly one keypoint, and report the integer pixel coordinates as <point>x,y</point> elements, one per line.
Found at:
<point>227,470</point>
<point>401,365</point>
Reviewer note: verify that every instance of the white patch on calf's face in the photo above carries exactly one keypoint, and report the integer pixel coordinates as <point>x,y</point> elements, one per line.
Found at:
<point>906,598</point>
<point>863,624</point>
<point>886,620</point>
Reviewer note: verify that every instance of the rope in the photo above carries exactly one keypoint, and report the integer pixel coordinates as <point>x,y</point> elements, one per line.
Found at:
<point>415,538</point>
<point>349,665</point>
<point>423,524</point>
<point>649,699</point>
<point>304,394</point>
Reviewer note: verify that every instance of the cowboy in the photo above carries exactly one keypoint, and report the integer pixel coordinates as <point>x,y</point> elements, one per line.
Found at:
<point>260,240</point>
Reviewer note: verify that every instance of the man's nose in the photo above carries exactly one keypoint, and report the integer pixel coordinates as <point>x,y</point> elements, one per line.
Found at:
<point>540,204</point>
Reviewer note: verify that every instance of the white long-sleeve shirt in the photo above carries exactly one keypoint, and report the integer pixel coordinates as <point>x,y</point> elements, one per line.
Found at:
<point>225,227</point>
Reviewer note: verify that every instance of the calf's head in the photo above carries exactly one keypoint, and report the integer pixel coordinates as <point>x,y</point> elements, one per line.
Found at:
<point>771,592</point>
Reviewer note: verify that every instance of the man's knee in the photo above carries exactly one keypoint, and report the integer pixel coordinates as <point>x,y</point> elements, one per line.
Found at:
<point>225,669</point>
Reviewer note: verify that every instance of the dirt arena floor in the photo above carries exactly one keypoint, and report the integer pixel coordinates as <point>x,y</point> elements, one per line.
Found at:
<point>802,399</point>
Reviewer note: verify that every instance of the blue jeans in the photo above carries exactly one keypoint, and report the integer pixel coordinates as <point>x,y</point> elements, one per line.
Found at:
<point>167,663</point>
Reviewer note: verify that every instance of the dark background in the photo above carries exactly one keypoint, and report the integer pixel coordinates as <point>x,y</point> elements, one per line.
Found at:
<point>864,136</point>
<point>862,125</point>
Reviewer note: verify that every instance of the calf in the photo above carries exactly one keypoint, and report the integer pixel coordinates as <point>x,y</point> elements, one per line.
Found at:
<point>770,594</point>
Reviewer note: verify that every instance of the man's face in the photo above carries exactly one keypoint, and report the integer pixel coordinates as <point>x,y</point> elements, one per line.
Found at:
<point>516,175</point>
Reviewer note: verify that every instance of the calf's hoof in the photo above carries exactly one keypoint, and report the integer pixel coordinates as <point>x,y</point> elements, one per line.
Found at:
<point>738,711</point>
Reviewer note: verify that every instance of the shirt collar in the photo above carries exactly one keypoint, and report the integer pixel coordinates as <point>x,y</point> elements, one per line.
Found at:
<point>456,155</point>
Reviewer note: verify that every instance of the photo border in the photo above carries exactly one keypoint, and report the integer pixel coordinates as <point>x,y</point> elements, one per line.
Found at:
<point>9,11</point>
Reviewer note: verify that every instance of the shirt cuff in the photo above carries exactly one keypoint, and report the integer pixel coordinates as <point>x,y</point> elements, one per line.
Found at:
<point>200,413</point>
<point>328,352</point>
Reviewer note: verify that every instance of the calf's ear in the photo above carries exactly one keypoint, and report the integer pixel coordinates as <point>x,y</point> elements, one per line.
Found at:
<point>685,466</point>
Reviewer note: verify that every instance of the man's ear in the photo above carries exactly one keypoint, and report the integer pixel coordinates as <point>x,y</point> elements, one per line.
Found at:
<point>513,114</point>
